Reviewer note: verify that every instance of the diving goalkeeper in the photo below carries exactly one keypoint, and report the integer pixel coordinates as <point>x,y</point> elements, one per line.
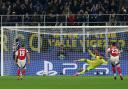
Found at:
<point>92,63</point>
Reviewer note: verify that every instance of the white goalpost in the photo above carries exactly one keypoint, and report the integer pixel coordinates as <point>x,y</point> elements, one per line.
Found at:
<point>53,48</point>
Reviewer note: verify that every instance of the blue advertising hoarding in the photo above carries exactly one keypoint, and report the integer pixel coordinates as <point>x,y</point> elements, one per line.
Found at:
<point>41,63</point>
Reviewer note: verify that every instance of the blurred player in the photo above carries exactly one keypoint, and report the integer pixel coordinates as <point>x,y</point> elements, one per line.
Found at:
<point>114,59</point>
<point>92,63</point>
<point>20,60</point>
<point>16,46</point>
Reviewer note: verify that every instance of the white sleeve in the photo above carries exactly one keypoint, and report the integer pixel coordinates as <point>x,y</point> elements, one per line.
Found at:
<point>108,50</point>
<point>26,50</point>
<point>16,53</point>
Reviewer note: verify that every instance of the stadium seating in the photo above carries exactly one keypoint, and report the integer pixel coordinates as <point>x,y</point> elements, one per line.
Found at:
<point>64,12</point>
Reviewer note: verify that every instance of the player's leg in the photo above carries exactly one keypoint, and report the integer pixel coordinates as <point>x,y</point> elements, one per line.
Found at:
<point>82,60</point>
<point>119,71</point>
<point>112,60</point>
<point>81,72</point>
<point>118,67</point>
<point>14,55</point>
<point>23,70</point>
<point>18,70</point>
<point>90,67</point>
<point>114,71</point>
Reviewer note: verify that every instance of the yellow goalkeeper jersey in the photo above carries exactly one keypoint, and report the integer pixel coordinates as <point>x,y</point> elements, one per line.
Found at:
<point>97,61</point>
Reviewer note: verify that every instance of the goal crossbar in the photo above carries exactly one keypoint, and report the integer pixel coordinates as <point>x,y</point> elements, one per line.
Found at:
<point>9,27</point>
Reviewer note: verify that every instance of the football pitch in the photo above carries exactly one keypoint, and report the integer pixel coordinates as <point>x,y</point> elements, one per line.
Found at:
<point>63,82</point>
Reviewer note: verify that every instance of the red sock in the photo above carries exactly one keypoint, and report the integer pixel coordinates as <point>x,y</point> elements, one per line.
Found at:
<point>18,72</point>
<point>119,70</point>
<point>113,69</point>
<point>23,71</point>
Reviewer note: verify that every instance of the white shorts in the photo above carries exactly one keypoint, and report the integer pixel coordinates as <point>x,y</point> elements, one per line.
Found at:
<point>21,63</point>
<point>114,60</point>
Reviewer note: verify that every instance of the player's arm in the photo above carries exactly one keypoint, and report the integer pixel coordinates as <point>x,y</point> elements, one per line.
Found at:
<point>120,51</point>
<point>90,52</point>
<point>107,51</point>
<point>16,57</point>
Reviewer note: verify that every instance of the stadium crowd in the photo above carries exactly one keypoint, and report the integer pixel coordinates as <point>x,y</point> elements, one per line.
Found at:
<point>73,12</point>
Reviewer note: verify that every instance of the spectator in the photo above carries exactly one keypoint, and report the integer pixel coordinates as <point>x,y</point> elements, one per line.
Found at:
<point>80,18</point>
<point>35,18</point>
<point>62,7</point>
<point>50,19</point>
<point>3,8</point>
<point>106,5</point>
<point>123,17</point>
<point>37,7</point>
<point>112,18</point>
<point>74,7</point>
<point>86,18</point>
<point>101,18</point>
<point>71,20</point>
<point>27,19</point>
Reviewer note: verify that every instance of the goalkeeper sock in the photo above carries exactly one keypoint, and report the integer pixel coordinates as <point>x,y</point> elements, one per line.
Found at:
<point>82,72</point>
<point>18,72</point>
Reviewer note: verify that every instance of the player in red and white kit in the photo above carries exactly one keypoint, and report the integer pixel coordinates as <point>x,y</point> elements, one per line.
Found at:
<point>20,58</point>
<point>114,59</point>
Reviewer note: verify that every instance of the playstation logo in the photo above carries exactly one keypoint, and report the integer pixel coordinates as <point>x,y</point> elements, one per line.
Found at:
<point>48,69</point>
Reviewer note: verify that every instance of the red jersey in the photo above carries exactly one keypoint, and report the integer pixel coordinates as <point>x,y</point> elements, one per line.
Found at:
<point>21,53</point>
<point>114,51</point>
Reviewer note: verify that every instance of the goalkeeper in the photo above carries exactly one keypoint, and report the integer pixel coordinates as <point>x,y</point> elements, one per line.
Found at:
<point>92,63</point>
<point>16,46</point>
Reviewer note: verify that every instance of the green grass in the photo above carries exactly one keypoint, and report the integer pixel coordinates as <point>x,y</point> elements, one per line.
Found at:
<point>63,82</point>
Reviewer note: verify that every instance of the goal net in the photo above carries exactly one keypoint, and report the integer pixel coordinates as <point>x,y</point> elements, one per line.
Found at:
<point>53,49</point>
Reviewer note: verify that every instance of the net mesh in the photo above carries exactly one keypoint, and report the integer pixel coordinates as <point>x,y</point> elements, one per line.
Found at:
<point>53,50</point>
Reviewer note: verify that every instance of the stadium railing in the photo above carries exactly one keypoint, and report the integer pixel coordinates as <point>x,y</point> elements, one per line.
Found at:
<point>65,20</point>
